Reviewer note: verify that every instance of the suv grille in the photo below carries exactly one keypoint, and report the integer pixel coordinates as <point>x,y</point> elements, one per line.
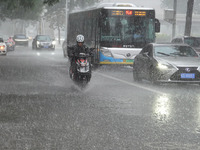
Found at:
<point>177,74</point>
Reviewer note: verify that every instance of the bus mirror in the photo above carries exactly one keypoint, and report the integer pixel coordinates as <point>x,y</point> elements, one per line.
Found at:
<point>157,25</point>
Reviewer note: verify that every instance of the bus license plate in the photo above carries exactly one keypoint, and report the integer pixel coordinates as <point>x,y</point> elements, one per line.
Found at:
<point>187,75</point>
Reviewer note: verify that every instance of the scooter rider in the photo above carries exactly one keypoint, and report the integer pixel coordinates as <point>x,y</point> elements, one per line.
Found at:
<point>75,50</point>
<point>10,40</point>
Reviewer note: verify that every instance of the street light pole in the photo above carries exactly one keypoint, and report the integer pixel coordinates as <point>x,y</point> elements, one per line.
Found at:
<point>188,23</point>
<point>66,25</point>
<point>174,20</point>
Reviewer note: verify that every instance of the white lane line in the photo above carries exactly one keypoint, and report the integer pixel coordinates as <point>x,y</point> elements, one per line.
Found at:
<point>132,84</point>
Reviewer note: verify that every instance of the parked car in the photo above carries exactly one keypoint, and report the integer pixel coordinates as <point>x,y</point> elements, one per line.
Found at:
<point>190,40</point>
<point>21,39</point>
<point>43,42</point>
<point>3,47</point>
<point>167,63</point>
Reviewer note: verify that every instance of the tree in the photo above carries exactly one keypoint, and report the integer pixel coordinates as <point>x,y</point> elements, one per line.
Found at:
<point>56,15</point>
<point>51,2</point>
<point>23,9</point>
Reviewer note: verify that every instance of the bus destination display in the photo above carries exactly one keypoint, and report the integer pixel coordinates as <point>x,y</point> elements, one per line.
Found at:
<point>140,13</point>
<point>128,13</point>
<point>117,13</point>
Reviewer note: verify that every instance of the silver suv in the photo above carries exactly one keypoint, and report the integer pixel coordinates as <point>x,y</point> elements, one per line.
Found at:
<point>190,40</point>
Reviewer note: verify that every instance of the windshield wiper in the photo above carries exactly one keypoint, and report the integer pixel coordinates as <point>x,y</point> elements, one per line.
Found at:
<point>163,53</point>
<point>175,53</point>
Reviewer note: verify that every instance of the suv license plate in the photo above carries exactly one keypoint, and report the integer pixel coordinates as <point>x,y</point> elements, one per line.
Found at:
<point>187,75</point>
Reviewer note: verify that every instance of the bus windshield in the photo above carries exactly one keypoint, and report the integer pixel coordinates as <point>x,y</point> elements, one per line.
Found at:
<point>127,31</point>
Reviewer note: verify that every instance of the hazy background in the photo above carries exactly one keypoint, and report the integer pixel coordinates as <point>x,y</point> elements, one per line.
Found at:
<point>31,28</point>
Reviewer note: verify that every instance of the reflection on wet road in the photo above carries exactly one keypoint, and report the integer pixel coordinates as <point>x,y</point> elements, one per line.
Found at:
<point>41,108</point>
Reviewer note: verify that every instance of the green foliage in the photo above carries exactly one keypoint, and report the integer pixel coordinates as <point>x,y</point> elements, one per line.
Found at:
<point>31,9</point>
<point>23,9</point>
<point>84,3</point>
<point>51,2</point>
<point>56,13</point>
<point>162,38</point>
<point>20,9</point>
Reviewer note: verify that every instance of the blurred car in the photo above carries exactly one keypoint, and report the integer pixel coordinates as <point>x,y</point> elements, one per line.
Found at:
<point>190,40</point>
<point>167,63</point>
<point>3,47</point>
<point>64,47</point>
<point>21,39</point>
<point>43,42</point>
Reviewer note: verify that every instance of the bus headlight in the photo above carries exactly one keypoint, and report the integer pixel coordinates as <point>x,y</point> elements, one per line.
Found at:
<point>106,53</point>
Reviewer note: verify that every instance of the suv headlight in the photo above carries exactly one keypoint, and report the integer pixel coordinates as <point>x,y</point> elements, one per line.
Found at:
<point>164,66</point>
<point>38,42</point>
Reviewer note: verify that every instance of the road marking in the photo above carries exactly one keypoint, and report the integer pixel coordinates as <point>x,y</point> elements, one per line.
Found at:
<point>132,84</point>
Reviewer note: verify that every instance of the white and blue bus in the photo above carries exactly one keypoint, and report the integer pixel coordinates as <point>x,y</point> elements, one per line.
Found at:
<point>116,31</point>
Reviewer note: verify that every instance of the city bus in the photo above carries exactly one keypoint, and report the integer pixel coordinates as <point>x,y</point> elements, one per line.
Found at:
<point>116,31</point>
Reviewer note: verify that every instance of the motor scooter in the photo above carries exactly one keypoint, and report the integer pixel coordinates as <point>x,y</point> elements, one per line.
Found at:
<point>10,46</point>
<point>81,73</point>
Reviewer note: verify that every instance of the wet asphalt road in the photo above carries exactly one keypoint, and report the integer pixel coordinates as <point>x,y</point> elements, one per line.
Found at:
<point>42,109</point>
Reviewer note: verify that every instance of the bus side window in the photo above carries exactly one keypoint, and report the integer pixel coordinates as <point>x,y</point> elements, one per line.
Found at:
<point>106,26</point>
<point>118,27</point>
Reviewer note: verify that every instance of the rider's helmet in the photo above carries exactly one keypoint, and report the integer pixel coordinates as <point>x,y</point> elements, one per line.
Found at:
<point>80,38</point>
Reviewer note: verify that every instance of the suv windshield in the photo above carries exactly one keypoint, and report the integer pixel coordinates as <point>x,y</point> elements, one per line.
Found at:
<point>44,38</point>
<point>182,51</point>
<point>20,36</point>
